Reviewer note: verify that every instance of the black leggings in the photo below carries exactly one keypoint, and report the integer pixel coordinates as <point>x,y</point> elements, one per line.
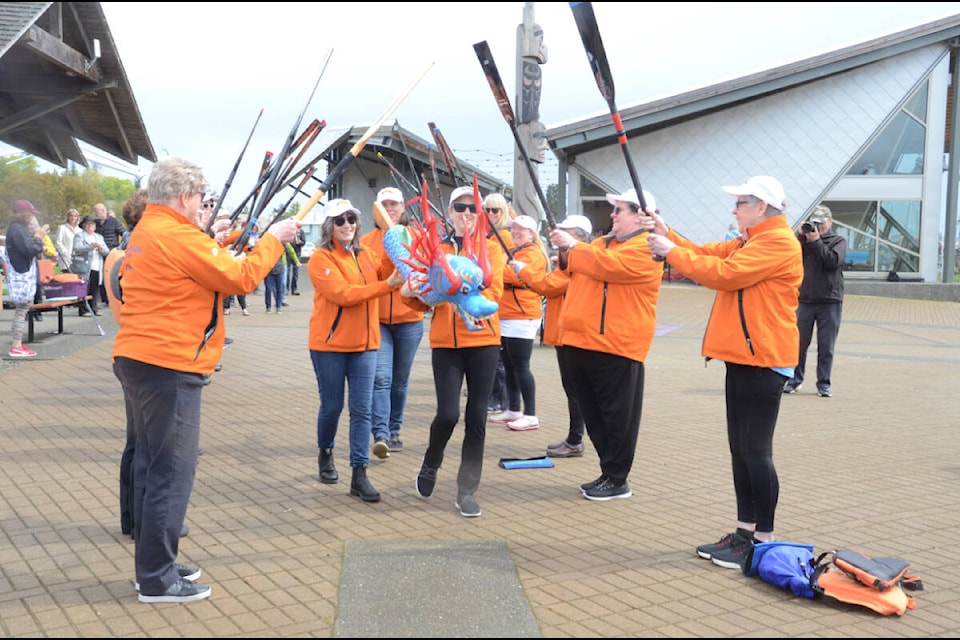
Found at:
<point>753,405</point>
<point>520,380</point>
<point>450,366</point>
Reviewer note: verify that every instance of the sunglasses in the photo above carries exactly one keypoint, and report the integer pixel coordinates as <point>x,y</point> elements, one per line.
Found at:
<point>494,209</point>
<point>460,207</point>
<point>347,219</point>
<point>208,205</point>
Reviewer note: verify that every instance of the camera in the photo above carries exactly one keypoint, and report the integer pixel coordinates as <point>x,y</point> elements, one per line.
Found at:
<point>807,227</point>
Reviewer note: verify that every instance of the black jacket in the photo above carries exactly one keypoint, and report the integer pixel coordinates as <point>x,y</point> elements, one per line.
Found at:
<point>823,268</point>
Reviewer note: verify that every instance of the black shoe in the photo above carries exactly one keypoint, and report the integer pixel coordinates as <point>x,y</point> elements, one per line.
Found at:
<point>328,472</point>
<point>734,555</point>
<point>824,392</point>
<point>706,551</point>
<point>360,486</point>
<point>608,490</point>
<point>381,449</point>
<point>426,480</point>
<point>791,388</point>
<point>180,591</point>
<point>586,486</point>
<point>394,442</point>
<point>38,317</point>
<point>284,304</point>
<point>217,368</point>
<point>295,293</point>
<point>227,341</point>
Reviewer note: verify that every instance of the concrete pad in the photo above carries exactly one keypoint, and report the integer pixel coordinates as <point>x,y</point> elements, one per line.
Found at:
<point>431,589</point>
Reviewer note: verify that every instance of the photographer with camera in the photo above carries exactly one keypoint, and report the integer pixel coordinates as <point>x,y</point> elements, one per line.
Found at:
<point>821,296</point>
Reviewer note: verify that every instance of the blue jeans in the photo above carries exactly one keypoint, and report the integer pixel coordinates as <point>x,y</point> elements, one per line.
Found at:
<point>275,286</point>
<point>356,369</point>
<point>398,346</point>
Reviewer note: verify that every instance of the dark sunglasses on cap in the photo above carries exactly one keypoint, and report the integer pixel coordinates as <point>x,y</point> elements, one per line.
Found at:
<point>460,207</point>
<point>345,219</point>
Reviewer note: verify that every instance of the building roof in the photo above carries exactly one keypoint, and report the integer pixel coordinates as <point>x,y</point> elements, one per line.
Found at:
<point>572,138</point>
<point>54,90</point>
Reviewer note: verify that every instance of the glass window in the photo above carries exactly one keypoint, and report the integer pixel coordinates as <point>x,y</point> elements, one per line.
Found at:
<point>898,149</point>
<point>881,236</point>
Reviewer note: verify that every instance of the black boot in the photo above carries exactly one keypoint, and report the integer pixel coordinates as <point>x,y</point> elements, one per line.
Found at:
<point>360,486</point>
<point>328,472</point>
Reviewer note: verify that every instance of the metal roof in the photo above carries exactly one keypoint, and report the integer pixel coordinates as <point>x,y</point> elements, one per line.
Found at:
<point>595,132</point>
<point>55,92</point>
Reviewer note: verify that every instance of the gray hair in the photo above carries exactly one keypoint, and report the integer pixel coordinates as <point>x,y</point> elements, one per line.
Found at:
<point>326,233</point>
<point>172,177</point>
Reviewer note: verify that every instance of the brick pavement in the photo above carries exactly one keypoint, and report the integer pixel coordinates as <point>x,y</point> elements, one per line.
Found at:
<point>874,468</point>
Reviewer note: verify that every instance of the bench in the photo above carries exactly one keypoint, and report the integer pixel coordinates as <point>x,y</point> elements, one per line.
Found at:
<point>50,305</point>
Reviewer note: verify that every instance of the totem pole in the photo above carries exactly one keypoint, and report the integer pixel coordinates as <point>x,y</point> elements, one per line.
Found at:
<point>531,53</point>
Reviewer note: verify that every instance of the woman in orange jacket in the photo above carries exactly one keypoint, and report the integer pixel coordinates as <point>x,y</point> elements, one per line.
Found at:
<point>753,329</point>
<point>521,313</point>
<point>344,338</point>
<point>458,354</point>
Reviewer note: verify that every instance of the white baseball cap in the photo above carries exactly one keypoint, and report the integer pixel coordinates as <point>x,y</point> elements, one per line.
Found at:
<point>337,207</point>
<point>526,222</point>
<point>630,195</point>
<point>459,192</point>
<point>763,188</point>
<point>576,222</point>
<point>390,193</point>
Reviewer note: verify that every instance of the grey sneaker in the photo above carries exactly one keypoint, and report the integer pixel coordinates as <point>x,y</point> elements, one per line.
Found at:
<point>185,572</point>
<point>394,442</point>
<point>565,450</point>
<point>468,506</point>
<point>182,590</point>
<point>426,480</point>
<point>824,392</point>
<point>586,486</point>
<point>789,387</point>
<point>735,555</point>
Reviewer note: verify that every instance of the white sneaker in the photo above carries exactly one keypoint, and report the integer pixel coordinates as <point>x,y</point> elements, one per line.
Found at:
<point>524,423</point>
<point>505,416</point>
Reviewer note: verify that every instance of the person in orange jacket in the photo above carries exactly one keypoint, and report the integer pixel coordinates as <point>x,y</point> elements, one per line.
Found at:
<point>553,286</point>
<point>460,354</point>
<point>609,319</point>
<point>345,337</point>
<point>521,313</point>
<point>170,338</point>
<point>753,329</point>
<point>401,330</point>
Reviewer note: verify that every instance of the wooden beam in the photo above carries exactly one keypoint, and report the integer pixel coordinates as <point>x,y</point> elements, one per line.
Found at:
<point>59,53</point>
<point>32,113</point>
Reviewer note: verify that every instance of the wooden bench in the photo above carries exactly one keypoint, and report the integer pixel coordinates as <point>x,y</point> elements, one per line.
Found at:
<point>50,305</point>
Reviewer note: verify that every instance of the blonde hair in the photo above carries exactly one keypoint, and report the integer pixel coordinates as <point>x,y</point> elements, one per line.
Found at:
<point>497,201</point>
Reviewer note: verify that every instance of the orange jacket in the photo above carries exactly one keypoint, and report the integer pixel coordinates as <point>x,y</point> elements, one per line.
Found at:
<point>611,303</point>
<point>345,314</point>
<point>392,308</point>
<point>519,301</point>
<point>447,328</point>
<point>174,280</point>
<point>553,286</point>
<point>753,320</point>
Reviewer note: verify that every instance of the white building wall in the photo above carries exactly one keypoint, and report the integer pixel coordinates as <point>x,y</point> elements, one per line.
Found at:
<point>805,136</point>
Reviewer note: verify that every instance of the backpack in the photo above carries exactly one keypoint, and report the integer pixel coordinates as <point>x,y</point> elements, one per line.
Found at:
<point>843,575</point>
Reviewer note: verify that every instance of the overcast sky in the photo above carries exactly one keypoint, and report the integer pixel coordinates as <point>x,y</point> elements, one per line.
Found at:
<point>201,72</point>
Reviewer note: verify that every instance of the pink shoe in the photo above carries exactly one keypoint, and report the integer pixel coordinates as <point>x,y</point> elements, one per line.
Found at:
<point>524,423</point>
<point>505,416</point>
<point>21,352</point>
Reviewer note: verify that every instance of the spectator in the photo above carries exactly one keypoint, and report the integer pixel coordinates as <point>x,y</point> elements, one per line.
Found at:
<point>401,330</point>
<point>608,323</point>
<point>501,213</point>
<point>89,250</point>
<point>344,338</point>
<point>111,230</point>
<point>753,329</point>
<point>45,261</point>
<point>521,314</point>
<point>23,248</point>
<point>553,285</point>
<point>65,234</point>
<point>293,270</point>
<point>170,339</point>
<point>460,354</point>
<point>821,297</point>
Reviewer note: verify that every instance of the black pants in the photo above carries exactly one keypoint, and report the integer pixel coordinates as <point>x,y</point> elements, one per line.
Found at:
<point>575,431</point>
<point>609,391</point>
<point>450,367</point>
